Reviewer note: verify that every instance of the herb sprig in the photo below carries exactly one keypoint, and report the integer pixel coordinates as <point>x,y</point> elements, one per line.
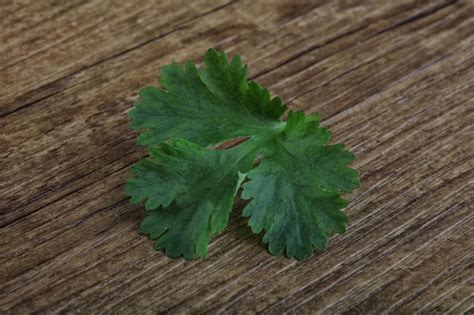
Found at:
<point>189,186</point>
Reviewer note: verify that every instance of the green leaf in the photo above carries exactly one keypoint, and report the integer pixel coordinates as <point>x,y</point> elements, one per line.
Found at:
<point>189,192</point>
<point>188,188</point>
<point>295,191</point>
<point>205,106</point>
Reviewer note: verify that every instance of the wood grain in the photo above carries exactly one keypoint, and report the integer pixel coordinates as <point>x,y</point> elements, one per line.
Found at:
<point>394,80</point>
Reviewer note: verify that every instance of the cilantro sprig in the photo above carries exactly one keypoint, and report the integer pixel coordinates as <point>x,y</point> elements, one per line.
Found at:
<point>189,187</point>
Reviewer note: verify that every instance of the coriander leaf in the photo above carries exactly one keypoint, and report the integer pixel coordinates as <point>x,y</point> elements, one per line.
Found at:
<point>189,191</point>
<point>205,106</point>
<point>188,188</point>
<point>294,192</point>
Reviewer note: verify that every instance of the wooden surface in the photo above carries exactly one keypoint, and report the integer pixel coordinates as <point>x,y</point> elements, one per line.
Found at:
<point>394,80</point>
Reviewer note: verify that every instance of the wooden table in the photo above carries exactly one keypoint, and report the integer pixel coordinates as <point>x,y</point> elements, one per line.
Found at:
<point>394,80</point>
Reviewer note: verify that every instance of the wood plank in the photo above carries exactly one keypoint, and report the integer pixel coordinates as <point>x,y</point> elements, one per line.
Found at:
<point>393,80</point>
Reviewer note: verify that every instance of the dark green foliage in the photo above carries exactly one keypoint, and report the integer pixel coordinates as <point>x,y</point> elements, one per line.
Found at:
<point>189,188</point>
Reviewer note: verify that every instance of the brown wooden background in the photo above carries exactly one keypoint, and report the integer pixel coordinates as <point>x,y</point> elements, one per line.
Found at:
<point>394,80</point>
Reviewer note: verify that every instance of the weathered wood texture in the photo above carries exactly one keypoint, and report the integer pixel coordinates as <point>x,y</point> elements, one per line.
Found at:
<point>394,80</point>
